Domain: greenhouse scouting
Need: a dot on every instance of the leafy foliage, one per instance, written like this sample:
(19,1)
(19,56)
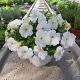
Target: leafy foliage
(71,12)
(8,14)
(77,18)
(9,2)
(54,2)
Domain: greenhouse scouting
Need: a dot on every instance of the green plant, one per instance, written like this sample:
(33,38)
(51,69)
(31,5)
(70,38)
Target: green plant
(77,18)
(67,10)
(51,2)
(29,1)
(9,2)
(77,22)
(71,12)
(8,14)
(54,2)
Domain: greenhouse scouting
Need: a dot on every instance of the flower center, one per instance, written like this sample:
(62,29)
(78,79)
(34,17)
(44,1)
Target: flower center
(42,28)
(24,52)
(41,38)
(52,36)
(25,29)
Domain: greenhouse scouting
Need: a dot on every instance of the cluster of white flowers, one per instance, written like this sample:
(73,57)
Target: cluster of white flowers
(12,44)
(24,52)
(46,34)
(14,24)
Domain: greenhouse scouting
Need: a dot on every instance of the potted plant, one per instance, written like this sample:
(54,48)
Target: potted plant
(39,37)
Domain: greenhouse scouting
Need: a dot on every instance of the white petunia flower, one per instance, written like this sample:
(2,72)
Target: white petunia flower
(60,19)
(59,53)
(26,30)
(55,37)
(68,39)
(12,44)
(24,52)
(42,55)
(42,39)
(35,15)
(53,22)
(43,26)
(14,24)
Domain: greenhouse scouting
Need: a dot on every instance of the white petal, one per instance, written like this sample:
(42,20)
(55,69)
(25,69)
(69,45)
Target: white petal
(55,41)
(42,55)
(59,53)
